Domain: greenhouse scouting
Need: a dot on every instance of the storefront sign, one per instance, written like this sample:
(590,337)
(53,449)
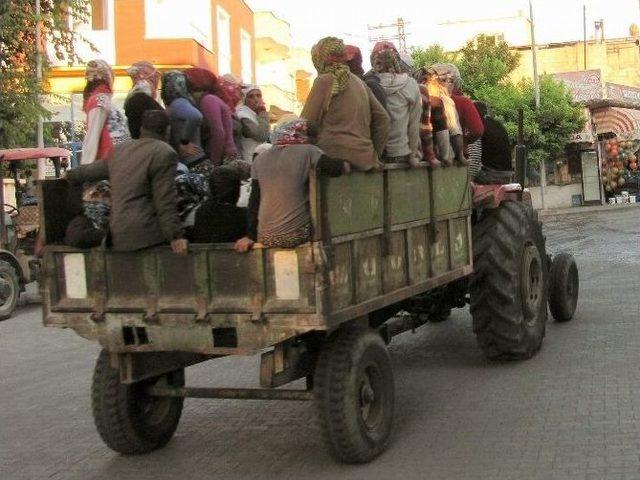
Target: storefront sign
(584,86)
(581,137)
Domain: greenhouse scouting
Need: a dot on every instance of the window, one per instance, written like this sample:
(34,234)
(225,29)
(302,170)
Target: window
(224,41)
(195,21)
(99,10)
(245,57)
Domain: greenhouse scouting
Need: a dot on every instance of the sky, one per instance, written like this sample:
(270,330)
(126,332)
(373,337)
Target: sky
(555,20)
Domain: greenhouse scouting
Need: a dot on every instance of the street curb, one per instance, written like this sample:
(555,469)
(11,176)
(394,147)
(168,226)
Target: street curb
(561,212)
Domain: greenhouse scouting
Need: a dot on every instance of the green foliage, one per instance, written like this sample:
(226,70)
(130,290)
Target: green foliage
(424,57)
(485,66)
(19,87)
(484,61)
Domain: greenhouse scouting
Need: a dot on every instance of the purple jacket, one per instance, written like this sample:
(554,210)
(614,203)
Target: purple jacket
(219,123)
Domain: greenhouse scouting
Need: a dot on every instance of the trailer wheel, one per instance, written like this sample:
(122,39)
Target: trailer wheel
(9,290)
(354,394)
(509,284)
(128,419)
(564,287)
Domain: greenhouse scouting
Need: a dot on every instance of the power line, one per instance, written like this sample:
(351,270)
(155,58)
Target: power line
(401,36)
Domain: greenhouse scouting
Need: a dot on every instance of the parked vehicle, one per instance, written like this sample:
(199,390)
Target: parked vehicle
(401,240)
(19,225)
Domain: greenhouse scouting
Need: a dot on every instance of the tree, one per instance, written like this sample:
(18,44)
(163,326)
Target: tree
(486,61)
(424,57)
(20,105)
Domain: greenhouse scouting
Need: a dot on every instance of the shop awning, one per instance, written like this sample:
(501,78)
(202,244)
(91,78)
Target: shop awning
(618,120)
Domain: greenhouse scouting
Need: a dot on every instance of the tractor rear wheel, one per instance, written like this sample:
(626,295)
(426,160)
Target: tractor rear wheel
(509,284)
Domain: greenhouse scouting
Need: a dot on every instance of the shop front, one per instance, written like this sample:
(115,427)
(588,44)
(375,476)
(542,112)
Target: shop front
(617,128)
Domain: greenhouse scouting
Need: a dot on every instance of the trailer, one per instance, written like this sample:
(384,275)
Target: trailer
(385,242)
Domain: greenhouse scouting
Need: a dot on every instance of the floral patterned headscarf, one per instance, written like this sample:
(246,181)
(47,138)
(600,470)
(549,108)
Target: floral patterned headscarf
(385,58)
(290,131)
(329,56)
(99,70)
(174,85)
(145,77)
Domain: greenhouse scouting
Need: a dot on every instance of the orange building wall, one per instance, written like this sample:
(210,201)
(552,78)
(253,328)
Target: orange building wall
(132,46)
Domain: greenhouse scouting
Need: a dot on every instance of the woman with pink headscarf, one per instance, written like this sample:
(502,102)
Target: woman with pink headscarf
(142,96)
(211,100)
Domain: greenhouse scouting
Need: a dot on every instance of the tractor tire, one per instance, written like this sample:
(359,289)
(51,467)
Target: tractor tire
(129,420)
(564,287)
(509,283)
(354,394)
(10,291)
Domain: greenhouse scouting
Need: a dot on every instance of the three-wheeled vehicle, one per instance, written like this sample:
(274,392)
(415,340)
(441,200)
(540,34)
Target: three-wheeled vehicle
(20,223)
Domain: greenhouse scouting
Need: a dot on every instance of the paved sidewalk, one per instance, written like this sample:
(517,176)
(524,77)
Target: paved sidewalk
(549,213)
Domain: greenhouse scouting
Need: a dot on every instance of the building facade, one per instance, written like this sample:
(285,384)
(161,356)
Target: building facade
(618,59)
(214,34)
(283,71)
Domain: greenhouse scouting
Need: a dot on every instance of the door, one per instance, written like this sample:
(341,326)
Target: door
(591,192)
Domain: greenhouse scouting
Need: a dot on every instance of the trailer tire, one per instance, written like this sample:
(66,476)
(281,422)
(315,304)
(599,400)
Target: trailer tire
(8,274)
(564,287)
(354,394)
(509,283)
(129,420)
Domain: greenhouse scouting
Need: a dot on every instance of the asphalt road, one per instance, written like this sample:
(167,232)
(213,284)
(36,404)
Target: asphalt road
(572,412)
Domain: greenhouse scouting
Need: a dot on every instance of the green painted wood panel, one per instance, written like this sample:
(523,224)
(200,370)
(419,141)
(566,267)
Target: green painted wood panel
(409,195)
(439,249)
(450,190)
(354,203)
(459,242)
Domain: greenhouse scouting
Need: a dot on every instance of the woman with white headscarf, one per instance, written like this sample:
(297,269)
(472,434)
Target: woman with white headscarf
(254,118)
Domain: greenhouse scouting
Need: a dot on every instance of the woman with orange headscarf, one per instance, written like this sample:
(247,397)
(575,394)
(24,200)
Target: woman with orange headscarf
(344,115)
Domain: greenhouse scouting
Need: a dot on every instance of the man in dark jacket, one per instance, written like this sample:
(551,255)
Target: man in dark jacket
(143,191)
(496,150)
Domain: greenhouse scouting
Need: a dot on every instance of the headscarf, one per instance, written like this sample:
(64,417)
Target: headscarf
(96,204)
(246,90)
(203,80)
(99,70)
(353,57)
(244,111)
(145,78)
(383,45)
(290,130)
(386,61)
(447,71)
(174,85)
(328,56)
(192,190)
(233,88)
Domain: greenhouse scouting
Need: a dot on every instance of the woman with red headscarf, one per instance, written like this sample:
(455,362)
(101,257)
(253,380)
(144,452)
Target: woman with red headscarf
(212,101)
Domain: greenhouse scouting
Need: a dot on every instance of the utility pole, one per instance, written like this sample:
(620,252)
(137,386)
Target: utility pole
(584,34)
(40,131)
(401,36)
(536,92)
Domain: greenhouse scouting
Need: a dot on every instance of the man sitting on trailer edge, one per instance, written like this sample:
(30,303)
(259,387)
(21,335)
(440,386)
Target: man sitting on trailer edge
(143,191)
